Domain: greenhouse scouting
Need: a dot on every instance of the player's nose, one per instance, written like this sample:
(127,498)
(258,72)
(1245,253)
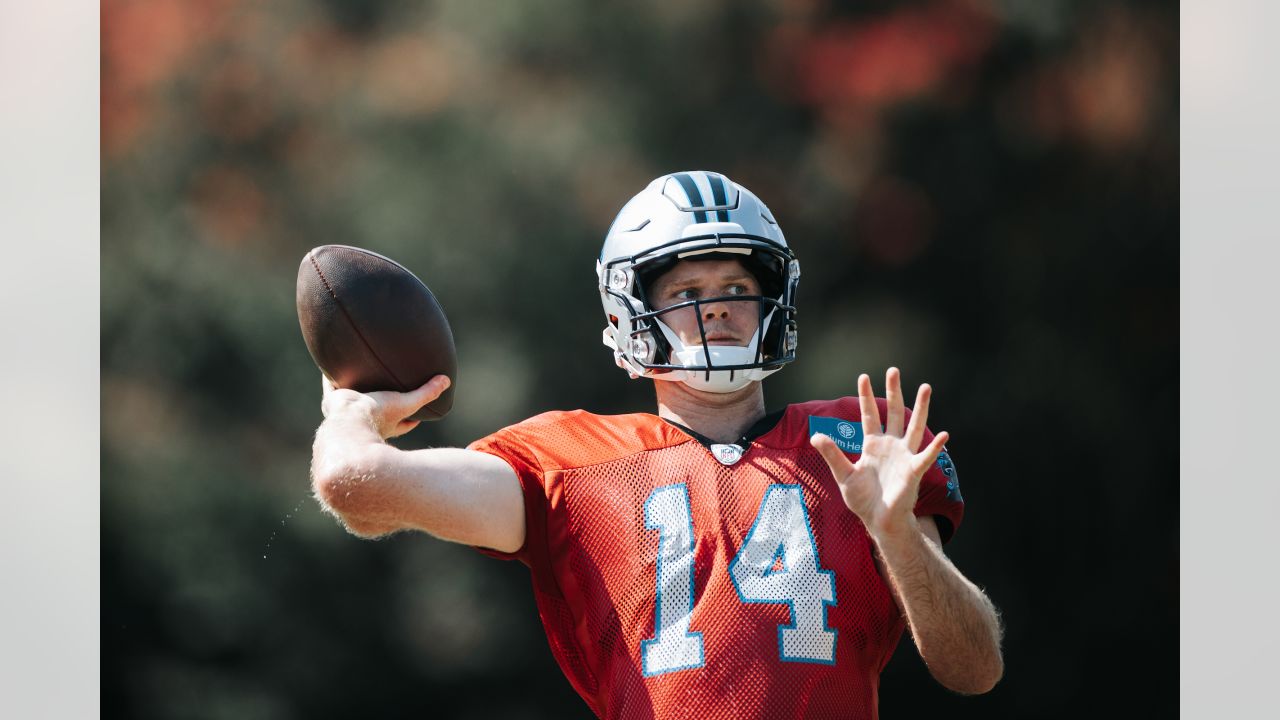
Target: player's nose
(715,310)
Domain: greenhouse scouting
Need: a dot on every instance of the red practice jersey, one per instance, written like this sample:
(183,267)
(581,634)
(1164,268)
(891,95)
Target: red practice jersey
(674,582)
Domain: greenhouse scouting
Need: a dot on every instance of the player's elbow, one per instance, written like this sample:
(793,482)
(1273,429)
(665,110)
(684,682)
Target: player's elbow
(975,678)
(985,680)
(347,488)
(331,483)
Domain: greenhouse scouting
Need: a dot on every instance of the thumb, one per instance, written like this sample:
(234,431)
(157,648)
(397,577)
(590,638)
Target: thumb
(395,407)
(835,457)
(410,402)
(429,391)
(925,459)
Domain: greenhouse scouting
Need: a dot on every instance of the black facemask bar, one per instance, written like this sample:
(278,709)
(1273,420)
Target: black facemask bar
(785,324)
(765,305)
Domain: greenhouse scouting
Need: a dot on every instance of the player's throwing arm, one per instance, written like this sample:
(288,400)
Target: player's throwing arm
(375,489)
(376,330)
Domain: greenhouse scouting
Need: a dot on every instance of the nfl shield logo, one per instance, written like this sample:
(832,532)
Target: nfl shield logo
(727,454)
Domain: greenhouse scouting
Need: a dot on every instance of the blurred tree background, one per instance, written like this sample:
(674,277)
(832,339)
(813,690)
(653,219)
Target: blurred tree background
(983,192)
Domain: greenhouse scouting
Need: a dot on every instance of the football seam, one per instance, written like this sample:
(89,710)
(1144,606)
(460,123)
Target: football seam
(352,322)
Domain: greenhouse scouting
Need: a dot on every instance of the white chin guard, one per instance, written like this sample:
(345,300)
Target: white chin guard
(717,381)
(694,358)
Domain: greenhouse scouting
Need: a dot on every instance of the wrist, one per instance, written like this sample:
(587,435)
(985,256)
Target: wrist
(891,532)
(354,412)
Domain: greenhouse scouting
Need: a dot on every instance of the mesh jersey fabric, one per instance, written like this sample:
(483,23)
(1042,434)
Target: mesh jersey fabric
(594,554)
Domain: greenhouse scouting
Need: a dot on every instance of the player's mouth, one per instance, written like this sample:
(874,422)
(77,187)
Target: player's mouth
(723,340)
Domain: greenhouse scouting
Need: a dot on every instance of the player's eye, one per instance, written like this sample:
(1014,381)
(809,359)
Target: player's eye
(686,294)
(737,290)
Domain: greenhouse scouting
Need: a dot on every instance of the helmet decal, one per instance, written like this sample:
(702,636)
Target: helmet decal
(717,195)
(689,190)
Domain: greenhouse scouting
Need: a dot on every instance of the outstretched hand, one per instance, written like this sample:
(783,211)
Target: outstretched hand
(387,410)
(882,487)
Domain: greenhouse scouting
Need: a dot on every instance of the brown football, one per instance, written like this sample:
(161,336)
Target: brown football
(370,324)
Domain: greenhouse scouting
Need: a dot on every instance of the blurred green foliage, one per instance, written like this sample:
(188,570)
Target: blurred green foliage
(984,193)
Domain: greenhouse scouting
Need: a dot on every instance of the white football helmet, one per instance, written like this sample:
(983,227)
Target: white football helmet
(684,215)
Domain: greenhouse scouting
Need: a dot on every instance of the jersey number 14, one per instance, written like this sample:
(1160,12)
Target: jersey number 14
(777,564)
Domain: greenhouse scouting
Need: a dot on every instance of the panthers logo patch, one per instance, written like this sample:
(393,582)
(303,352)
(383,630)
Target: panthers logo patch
(953,480)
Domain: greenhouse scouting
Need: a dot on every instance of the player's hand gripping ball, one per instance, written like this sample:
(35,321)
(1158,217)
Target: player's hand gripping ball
(370,324)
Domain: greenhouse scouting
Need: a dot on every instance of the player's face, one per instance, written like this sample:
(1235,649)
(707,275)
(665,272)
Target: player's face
(727,322)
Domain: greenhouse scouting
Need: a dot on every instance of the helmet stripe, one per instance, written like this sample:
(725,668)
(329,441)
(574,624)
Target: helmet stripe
(717,193)
(695,197)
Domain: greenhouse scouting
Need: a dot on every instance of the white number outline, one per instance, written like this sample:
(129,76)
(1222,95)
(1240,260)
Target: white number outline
(794,495)
(680,554)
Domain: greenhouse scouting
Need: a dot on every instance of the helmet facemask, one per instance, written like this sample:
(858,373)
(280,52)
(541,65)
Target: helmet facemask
(684,216)
(647,346)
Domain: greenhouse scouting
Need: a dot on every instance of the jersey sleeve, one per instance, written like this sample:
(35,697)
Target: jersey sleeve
(940,492)
(508,445)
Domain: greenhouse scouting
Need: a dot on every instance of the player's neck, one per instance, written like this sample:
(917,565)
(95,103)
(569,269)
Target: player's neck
(723,417)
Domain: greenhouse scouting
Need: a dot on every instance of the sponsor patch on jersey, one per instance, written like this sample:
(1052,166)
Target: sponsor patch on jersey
(953,480)
(847,434)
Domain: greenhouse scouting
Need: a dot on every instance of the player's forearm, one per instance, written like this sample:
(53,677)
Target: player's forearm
(955,626)
(375,489)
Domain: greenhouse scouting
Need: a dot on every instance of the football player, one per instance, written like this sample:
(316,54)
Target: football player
(711,560)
